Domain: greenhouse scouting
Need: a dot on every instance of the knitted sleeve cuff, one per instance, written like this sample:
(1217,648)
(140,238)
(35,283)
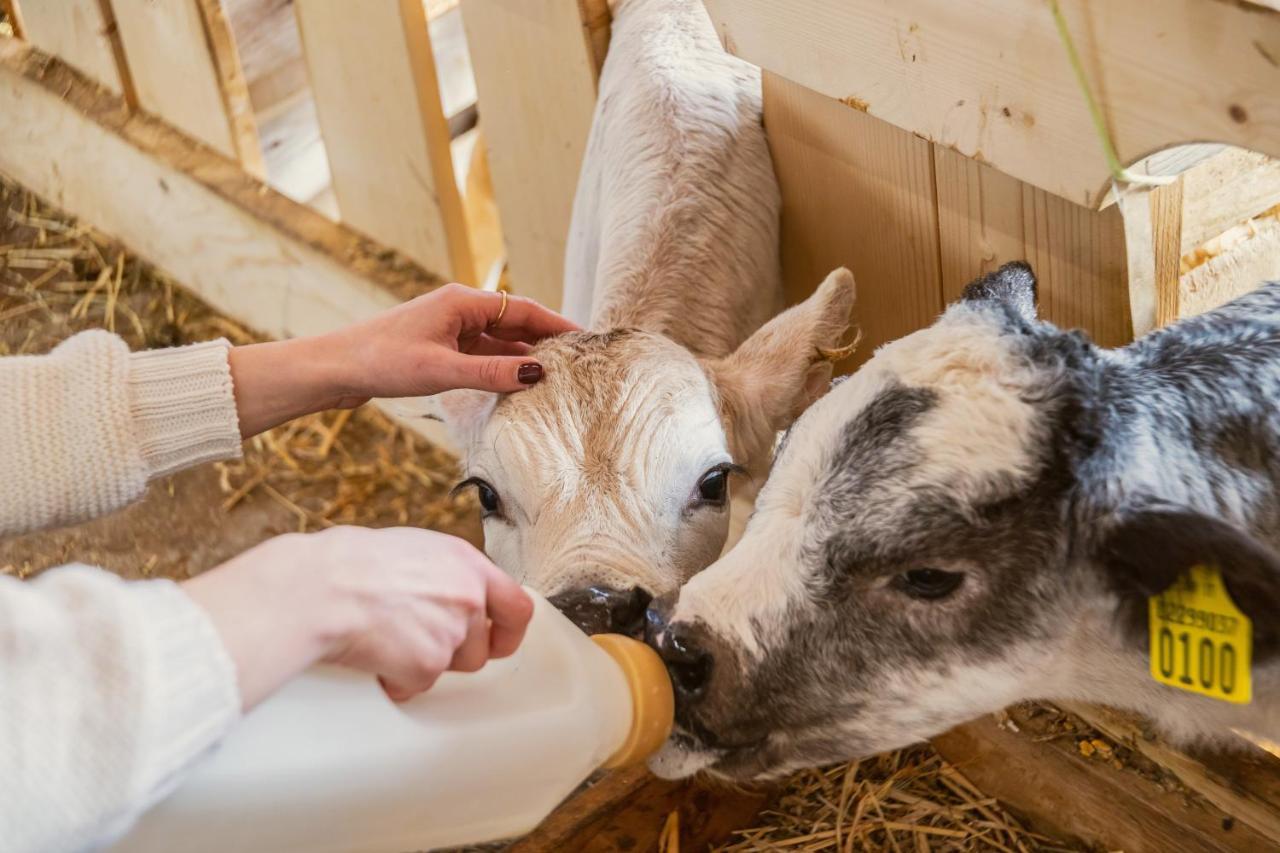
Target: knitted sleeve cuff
(182,406)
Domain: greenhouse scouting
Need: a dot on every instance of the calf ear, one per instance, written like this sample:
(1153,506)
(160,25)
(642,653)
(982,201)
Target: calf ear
(786,365)
(463,412)
(1149,549)
(1013,285)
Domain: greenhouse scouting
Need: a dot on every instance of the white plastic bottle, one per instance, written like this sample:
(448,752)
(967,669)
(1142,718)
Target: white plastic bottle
(330,764)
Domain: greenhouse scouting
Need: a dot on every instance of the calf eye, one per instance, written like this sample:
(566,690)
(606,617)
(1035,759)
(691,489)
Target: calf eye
(713,488)
(489,503)
(930,584)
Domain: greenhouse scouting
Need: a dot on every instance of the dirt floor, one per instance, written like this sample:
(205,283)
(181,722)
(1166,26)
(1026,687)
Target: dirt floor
(57,278)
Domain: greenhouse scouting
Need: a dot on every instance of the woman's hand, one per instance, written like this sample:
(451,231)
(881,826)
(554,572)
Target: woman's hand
(450,338)
(402,603)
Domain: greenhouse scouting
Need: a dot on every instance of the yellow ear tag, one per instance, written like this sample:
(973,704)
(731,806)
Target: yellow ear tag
(1200,641)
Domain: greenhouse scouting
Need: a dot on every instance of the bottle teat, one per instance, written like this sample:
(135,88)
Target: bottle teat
(652,700)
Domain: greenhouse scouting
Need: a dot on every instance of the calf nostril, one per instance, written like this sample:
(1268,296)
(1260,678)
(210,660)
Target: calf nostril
(690,667)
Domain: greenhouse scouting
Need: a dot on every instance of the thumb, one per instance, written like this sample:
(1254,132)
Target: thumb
(493,372)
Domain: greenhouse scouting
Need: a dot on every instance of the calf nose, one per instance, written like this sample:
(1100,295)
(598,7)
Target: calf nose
(602,610)
(687,659)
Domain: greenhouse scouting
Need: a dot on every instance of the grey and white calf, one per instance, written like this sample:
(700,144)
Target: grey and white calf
(977,517)
(607,483)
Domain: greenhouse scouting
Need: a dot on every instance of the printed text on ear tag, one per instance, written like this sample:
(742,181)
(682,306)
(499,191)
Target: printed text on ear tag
(1200,642)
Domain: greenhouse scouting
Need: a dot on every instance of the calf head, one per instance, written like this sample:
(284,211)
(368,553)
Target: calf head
(607,483)
(918,556)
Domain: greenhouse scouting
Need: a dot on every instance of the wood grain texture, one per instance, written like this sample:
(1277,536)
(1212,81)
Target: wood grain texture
(856,192)
(990,78)
(1234,272)
(625,812)
(78,32)
(1244,782)
(536,82)
(1058,791)
(374,82)
(1225,190)
(179,75)
(1166,246)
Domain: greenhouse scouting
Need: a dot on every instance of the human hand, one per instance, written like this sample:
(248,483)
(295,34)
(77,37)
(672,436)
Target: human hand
(453,337)
(402,603)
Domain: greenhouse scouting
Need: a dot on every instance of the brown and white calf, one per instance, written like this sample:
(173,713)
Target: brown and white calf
(607,483)
(977,517)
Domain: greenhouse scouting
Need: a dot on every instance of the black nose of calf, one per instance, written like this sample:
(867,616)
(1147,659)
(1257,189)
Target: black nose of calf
(677,644)
(602,610)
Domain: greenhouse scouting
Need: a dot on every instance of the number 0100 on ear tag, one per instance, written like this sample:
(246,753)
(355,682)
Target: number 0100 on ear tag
(1200,641)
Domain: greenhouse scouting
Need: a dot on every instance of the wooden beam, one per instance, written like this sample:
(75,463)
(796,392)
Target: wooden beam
(1057,790)
(1166,244)
(81,33)
(13,14)
(183,62)
(986,218)
(374,81)
(991,79)
(1236,271)
(627,809)
(856,192)
(1243,781)
(1225,190)
(536,79)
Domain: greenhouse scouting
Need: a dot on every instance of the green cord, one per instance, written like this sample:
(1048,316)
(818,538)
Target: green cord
(1118,171)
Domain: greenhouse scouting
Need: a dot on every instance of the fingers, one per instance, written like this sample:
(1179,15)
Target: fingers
(474,651)
(487,345)
(523,320)
(509,610)
(490,373)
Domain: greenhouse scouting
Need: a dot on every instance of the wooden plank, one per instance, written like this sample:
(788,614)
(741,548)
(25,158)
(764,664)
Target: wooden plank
(627,809)
(1062,793)
(1244,782)
(987,218)
(597,21)
(1236,271)
(1166,245)
(536,79)
(253,254)
(374,81)
(13,15)
(856,192)
(79,32)
(1225,190)
(990,78)
(185,69)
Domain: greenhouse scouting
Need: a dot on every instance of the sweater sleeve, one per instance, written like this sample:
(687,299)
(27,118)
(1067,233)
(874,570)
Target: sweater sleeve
(110,690)
(87,425)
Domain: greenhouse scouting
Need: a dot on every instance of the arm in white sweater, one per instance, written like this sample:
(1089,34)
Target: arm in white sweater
(107,689)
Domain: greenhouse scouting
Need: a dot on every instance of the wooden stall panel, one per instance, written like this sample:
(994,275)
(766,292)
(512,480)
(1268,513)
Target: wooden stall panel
(856,192)
(991,78)
(374,82)
(986,218)
(185,69)
(80,33)
(535,68)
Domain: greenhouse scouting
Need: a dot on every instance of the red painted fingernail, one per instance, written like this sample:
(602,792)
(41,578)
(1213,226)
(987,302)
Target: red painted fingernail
(529,374)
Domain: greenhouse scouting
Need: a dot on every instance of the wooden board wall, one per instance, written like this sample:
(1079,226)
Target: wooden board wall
(535,65)
(185,69)
(374,82)
(80,32)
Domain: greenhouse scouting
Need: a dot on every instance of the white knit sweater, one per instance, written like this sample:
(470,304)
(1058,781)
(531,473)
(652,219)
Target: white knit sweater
(109,690)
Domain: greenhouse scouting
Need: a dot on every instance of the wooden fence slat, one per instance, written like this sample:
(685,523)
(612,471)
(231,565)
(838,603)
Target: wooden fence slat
(986,218)
(374,82)
(80,32)
(991,78)
(857,192)
(184,67)
(536,81)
